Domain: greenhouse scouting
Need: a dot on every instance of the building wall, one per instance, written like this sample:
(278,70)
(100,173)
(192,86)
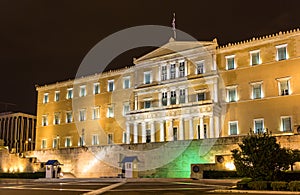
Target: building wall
(272,106)
(194,119)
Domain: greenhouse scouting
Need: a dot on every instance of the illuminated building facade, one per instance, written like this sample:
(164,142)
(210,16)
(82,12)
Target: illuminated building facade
(18,131)
(181,91)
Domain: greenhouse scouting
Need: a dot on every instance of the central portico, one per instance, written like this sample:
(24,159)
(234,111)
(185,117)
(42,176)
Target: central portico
(176,95)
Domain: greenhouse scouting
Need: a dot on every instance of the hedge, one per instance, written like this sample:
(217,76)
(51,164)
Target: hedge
(34,175)
(259,185)
(294,186)
(219,174)
(279,185)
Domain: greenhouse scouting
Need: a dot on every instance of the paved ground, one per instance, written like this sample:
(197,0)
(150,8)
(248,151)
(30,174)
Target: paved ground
(113,186)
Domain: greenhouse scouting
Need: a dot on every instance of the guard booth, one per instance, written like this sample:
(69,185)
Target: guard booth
(53,169)
(130,166)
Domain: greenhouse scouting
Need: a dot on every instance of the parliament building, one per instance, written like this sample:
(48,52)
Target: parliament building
(184,90)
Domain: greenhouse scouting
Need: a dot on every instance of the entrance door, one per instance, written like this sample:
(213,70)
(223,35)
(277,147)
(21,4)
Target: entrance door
(148,136)
(175,133)
(205,131)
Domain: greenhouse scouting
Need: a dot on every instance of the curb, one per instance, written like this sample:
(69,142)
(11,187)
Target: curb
(253,192)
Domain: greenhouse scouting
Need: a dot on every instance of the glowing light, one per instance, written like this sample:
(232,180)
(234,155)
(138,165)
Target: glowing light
(5,169)
(230,166)
(21,168)
(11,169)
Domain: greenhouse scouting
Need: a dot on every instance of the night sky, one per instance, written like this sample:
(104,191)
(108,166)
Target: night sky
(42,42)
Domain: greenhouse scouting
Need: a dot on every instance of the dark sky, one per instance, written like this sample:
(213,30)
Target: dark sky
(45,41)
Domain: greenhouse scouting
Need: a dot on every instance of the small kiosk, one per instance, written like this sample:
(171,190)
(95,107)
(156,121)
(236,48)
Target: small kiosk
(130,166)
(53,169)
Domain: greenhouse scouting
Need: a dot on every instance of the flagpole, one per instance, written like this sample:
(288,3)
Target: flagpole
(173,25)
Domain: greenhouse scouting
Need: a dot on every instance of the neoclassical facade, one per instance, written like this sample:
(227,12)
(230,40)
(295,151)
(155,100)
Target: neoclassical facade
(18,131)
(180,91)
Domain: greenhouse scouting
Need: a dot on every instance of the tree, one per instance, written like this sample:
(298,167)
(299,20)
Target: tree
(294,156)
(260,157)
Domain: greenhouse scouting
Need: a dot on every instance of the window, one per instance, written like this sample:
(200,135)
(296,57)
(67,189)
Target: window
(254,57)
(230,62)
(44,120)
(44,144)
(81,141)
(56,96)
(69,117)
(256,91)
(126,83)
(68,142)
(284,86)
(258,125)
(172,71)
(182,96)
(46,98)
(96,113)
(110,111)
(110,138)
(96,89)
(147,77)
(147,104)
(164,100)
(55,142)
(181,69)
(231,94)
(126,108)
(82,91)
(233,128)
(111,86)
(164,73)
(281,52)
(95,140)
(56,118)
(173,97)
(82,115)
(70,93)
(200,67)
(201,96)
(286,124)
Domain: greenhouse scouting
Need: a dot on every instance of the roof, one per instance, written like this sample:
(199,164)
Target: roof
(53,162)
(175,47)
(130,159)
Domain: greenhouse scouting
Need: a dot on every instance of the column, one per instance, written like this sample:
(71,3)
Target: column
(168,98)
(135,102)
(143,132)
(191,131)
(181,129)
(201,128)
(152,129)
(127,141)
(176,70)
(170,132)
(211,127)
(135,133)
(168,71)
(217,126)
(161,131)
(186,95)
(215,92)
(160,99)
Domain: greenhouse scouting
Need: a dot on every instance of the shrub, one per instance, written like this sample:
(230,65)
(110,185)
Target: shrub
(209,174)
(294,185)
(243,184)
(258,185)
(279,185)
